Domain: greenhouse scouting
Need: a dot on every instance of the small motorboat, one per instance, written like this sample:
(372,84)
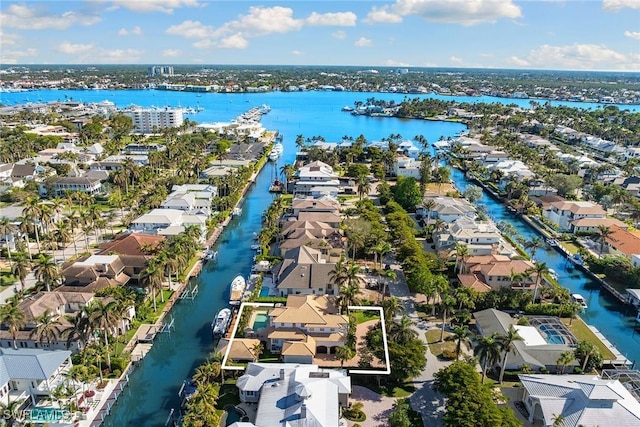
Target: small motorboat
(579,299)
(221,322)
(552,242)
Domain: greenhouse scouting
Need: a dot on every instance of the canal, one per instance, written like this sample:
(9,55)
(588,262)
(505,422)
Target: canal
(153,388)
(614,320)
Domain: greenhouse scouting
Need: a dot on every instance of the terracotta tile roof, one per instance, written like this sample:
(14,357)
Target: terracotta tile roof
(131,244)
(309,310)
(624,241)
(300,348)
(503,269)
(580,208)
(242,349)
(474,282)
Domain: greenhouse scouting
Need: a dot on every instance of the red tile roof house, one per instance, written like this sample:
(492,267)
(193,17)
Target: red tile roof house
(486,272)
(565,212)
(622,242)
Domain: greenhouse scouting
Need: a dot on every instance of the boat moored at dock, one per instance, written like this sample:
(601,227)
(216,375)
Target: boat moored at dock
(238,285)
(221,322)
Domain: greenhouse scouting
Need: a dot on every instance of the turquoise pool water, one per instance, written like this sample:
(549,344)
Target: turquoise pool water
(264,291)
(552,336)
(260,321)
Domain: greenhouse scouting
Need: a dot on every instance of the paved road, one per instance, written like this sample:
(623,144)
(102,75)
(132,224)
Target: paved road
(424,400)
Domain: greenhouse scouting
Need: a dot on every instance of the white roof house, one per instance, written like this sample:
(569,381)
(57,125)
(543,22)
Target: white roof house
(580,400)
(292,395)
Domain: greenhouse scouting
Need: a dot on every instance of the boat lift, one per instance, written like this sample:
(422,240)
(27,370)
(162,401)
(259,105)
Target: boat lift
(190,292)
(167,327)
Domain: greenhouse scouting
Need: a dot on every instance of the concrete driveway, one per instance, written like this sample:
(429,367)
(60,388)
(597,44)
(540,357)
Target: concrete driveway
(376,407)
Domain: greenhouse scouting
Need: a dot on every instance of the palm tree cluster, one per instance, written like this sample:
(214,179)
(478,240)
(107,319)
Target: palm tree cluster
(201,406)
(491,348)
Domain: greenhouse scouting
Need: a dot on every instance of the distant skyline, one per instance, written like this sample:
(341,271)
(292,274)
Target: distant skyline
(542,34)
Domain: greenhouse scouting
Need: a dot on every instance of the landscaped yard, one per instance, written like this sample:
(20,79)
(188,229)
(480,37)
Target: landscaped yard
(582,332)
(362,316)
(437,347)
(571,247)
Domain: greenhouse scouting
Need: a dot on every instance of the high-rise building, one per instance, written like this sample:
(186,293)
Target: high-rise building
(148,120)
(160,70)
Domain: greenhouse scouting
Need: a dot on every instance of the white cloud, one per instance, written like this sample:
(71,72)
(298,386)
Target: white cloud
(394,63)
(632,34)
(8,39)
(382,15)
(463,12)
(616,5)
(340,35)
(74,49)
(38,18)
(170,53)
(264,20)
(578,57)
(135,31)
(456,60)
(118,56)
(297,53)
(164,6)
(363,42)
(235,41)
(339,19)
(15,56)
(191,30)
(486,55)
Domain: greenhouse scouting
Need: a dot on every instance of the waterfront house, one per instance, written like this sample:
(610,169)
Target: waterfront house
(543,341)
(562,213)
(135,252)
(629,183)
(578,400)
(633,297)
(449,209)
(303,271)
(498,271)
(592,225)
(167,222)
(314,176)
(300,394)
(407,167)
(306,326)
(314,205)
(94,273)
(622,242)
(31,374)
(481,238)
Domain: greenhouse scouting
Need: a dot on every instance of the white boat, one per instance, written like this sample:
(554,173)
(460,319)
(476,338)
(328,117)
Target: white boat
(553,274)
(347,108)
(238,285)
(576,259)
(276,151)
(256,247)
(210,254)
(579,299)
(552,242)
(221,323)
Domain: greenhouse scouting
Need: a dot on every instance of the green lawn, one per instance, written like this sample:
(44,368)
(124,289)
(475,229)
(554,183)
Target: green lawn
(571,247)
(437,347)
(582,332)
(362,316)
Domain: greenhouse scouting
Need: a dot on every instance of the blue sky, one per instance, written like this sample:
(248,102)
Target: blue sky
(539,34)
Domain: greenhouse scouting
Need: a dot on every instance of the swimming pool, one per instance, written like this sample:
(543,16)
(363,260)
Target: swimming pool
(260,321)
(551,335)
(264,291)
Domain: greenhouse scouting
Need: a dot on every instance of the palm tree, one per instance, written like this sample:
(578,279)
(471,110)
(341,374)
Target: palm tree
(32,212)
(11,410)
(533,245)
(47,328)
(391,307)
(539,269)
(152,277)
(46,271)
(21,268)
(565,358)
(507,345)
(461,335)
(379,250)
(78,330)
(207,372)
(446,305)
(62,235)
(363,186)
(344,353)
(603,233)
(429,205)
(488,349)
(103,317)
(13,318)
(348,295)
(462,251)
(7,228)
(402,331)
